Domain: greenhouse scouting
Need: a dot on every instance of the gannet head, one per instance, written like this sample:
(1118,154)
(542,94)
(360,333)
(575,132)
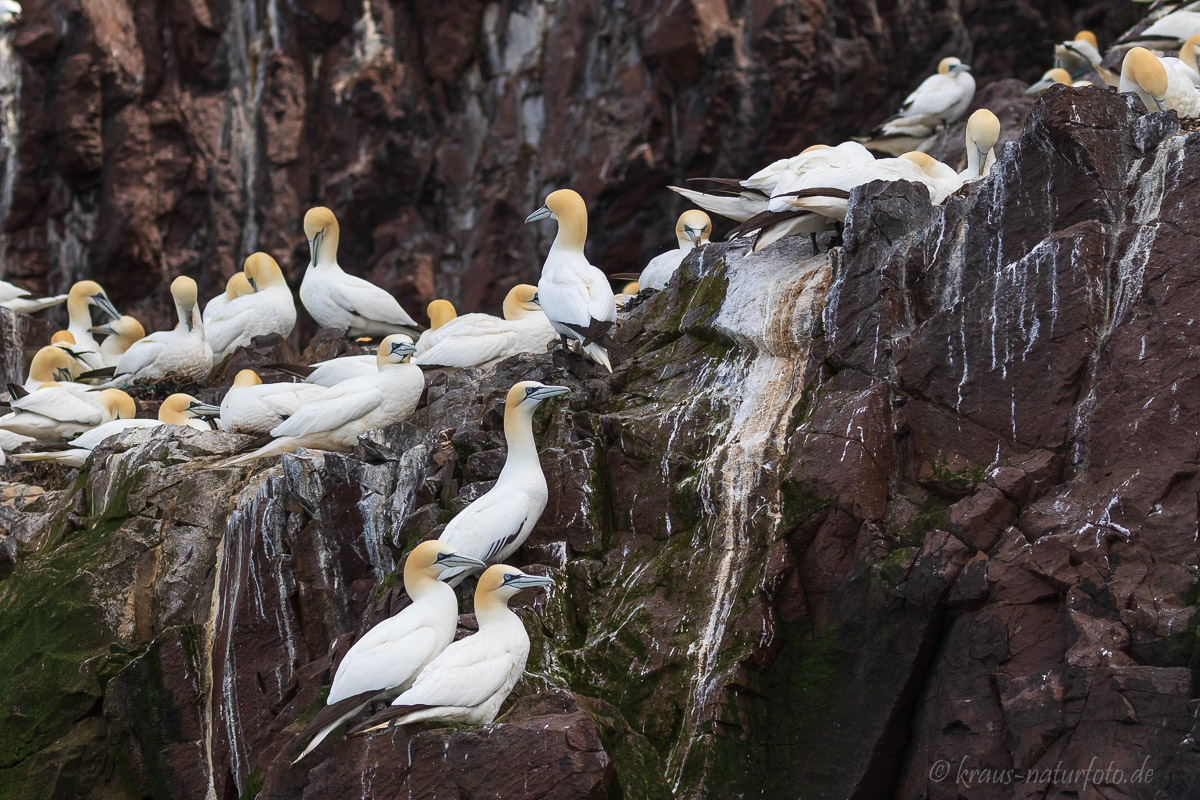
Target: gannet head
(321,230)
(53,363)
(814,148)
(118,404)
(238,285)
(127,329)
(1051,77)
(262,271)
(983,131)
(1089,37)
(184,292)
(89,293)
(440,312)
(1189,51)
(526,396)
(566,206)
(395,349)
(502,581)
(929,165)
(63,337)
(631,288)
(246,377)
(178,409)
(430,559)
(520,301)
(693,226)
(1150,76)
(952,66)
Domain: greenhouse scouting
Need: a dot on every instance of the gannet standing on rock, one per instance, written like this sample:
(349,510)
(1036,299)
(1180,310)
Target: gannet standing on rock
(181,354)
(84,295)
(57,412)
(692,230)
(472,677)
(339,415)
(268,309)
(338,300)
(251,406)
(178,409)
(576,297)
(17,299)
(237,286)
(120,334)
(388,658)
(493,526)
(983,131)
(940,100)
(475,340)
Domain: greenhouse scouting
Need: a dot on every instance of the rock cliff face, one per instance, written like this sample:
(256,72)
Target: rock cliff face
(842,524)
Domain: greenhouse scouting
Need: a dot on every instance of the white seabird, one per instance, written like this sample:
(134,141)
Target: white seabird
(178,409)
(472,677)
(1185,66)
(17,299)
(268,309)
(576,297)
(339,415)
(475,340)
(1049,78)
(251,406)
(54,363)
(983,131)
(338,300)
(181,354)
(120,334)
(1159,88)
(84,295)
(237,286)
(692,230)
(940,100)
(1166,33)
(57,412)
(1078,56)
(494,525)
(388,658)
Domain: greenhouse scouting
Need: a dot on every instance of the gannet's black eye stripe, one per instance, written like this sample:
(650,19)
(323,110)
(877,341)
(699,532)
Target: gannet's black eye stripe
(529,390)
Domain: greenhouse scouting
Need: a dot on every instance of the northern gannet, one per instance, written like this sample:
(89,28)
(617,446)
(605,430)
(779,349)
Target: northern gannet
(15,298)
(917,167)
(1078,56)
(338,300)
(940,100)
(692,230)
(627,293)
(1185,65)
(1166,33)
(84,295)
(1049,78)
(472,677)
(237,286)
(339,415)
(474,340)
(440,312)
(494,525)
(388,658)
(182,353)
(576,296)
(251,406)
(57,412)
(178,409)
(332,371)
(1159,88)
(983,131)
(120,334)
(52,364)
(269,309)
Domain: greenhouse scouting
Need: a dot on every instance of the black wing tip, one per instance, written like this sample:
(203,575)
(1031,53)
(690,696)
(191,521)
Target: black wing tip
(103,372)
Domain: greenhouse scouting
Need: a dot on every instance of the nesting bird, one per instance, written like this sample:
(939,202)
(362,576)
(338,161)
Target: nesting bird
(52,364)
(267,309)
(251,406)
(692,230)
(476,340)
(237,286)
(181,354)
(940,100)
(472,677)
(576,297)
(493,526)
(56,412)
(388,658)
(338,300)
(1078,57)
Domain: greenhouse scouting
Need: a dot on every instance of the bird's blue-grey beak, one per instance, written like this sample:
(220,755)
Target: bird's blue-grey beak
(537,301)
(960,68)
(106,329)
(253,283)
(449,560)
(404,348)
(204,410)
(314,244)
(541,213)
(1039,87)
(106,305)
(522,581)
(694,234)
(546,392)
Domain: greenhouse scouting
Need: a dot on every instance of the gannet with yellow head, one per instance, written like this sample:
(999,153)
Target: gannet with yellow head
(1077,57)
(84,295)
(692,230)
(181,354)
(476,340)
(120,334)
(339,415)
(940,100)
(1185,68)
(338,300)
(983,131)
(388,658)
(576,297)
(268,309)
(251,406)
(15,298)
(1051,77)
(494,525)
(54,363)
(472,677)
(237,286)
(440,312)
(58,412)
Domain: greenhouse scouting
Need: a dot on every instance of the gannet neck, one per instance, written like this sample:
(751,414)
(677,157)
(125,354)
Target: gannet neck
(262,271)
(62,337)
(321,228)
(518,436)
(183,292)
(78,300)
(440,312)
(237,286)
(519,303)
(571,212)
(492,611)
(118,404)
(1188,52)
(420,582)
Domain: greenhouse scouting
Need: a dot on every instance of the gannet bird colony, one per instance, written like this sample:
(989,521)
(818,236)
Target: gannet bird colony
(575,400)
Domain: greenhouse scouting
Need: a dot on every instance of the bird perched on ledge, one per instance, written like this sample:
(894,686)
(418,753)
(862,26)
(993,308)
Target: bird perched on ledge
(940,100)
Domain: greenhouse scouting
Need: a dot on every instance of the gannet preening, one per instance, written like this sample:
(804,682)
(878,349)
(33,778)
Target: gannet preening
(268,309)
(940,100)
(52,364)
(983,131)
(339,415)
(84,295)
(475,340)
(57,412)
(178,409)
(576,296)
(181,354)
(17,299)
(1166,33)
(472,677)
(120,334)
(338,300)
(388,658)
(251,406)
(1078,57)
(691,231)
(1159,88)
(494,525)
(10,13)
(237,286)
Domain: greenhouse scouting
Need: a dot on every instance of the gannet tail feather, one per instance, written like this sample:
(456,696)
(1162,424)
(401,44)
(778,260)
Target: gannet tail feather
(328,719)
(295,370)
(385,718)
(103,372)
